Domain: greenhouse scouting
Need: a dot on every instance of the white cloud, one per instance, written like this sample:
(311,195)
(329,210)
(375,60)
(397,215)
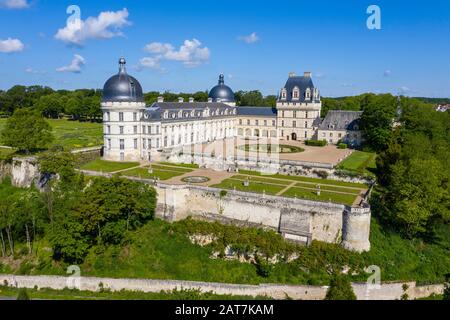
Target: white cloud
(75,66)
(14,4)
(191,54)
(251,38)
(107,25)
(32,71)
(387,73)
(11,45)
(404,90)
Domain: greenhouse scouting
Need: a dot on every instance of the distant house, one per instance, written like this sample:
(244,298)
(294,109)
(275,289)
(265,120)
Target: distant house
(443,107)
(341,126)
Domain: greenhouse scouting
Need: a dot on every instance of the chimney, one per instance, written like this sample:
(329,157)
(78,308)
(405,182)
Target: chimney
(160,99)
(291,74)
(210,100)
(180,99)
(307,74)
(191,99)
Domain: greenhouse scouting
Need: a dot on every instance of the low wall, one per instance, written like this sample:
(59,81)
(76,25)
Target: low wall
(386,291)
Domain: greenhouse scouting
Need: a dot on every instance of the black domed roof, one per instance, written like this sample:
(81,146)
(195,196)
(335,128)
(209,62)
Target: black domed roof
(221,92)
(122,87)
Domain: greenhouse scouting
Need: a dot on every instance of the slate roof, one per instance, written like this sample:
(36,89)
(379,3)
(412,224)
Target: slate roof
(257,111)
(302,82)
(156,110)
(340,120)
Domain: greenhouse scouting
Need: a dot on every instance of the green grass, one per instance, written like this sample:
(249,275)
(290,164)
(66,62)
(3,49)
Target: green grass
(305,179)
(359,162)
(108,166)
(267,148)
(176,169)
(143,173)
(72,134)
(183,165)
(302,193)
(5,152)
(74,294)
(257,187)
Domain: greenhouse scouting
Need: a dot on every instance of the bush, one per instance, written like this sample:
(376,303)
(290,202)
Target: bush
(320,173)
(316,143)
(342,145)
(23,294)
(340,289)
(263,267)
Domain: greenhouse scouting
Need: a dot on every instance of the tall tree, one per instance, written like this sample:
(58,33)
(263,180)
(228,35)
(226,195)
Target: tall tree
(26,131)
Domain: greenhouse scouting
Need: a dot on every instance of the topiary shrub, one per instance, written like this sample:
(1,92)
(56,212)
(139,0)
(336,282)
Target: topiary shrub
(316,143)
(342,145)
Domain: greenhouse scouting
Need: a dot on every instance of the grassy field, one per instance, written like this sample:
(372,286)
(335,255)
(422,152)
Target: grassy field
(297,187)
(108,166)
(183,165)
(359,162)
(72,134)
(163,174)
(5,152)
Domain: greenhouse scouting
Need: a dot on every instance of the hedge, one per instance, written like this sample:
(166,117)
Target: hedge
(316,143)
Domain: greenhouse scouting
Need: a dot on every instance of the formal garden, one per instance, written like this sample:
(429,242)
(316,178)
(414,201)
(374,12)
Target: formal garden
(270,148)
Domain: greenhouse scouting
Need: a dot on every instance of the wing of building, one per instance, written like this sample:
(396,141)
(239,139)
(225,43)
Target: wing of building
(134,131)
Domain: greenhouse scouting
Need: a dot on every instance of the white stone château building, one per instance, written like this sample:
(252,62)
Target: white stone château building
(134,131)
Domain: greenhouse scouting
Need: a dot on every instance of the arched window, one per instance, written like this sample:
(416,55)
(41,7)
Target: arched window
(283,94)
(295,93)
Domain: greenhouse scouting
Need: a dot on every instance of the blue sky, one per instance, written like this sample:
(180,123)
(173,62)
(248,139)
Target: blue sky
(184,45)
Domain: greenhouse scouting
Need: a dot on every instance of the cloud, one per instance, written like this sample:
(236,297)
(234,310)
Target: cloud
(387,73)
(11,45)
(191,54)
(404,90)
(251,38)
(75,66)
(14,4)
(107,25)
(32,71)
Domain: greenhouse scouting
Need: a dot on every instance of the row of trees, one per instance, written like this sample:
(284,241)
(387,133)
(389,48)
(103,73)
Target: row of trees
(84,104)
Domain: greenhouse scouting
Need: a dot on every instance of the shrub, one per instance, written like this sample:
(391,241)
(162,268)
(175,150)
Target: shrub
(342,145)
(263,268)
(320,173)
(340,289)
(316,143)
(23,294)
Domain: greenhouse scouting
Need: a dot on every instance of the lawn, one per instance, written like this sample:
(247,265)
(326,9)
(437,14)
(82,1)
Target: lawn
(159,174)
(183,165)
(5,152)
(73,134)
(305,179)
(359,162)
(108,166)
(254,186)
(303,193)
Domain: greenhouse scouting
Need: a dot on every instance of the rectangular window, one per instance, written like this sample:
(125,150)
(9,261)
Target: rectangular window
(306,124)
(248,121)
(109,144)
(256,122)
(121,129)
(282,123)
(150,143)
(108,129)
(120,116)
(134,116)
(135,142)
(135,129)
(265,122)
(143,129)
(122,144)
(144,144)
(306,134)
(295,114)
(273,123)
(149,130)
(240,121)
(294,124)
(122,156)
(157,142)
(306,114)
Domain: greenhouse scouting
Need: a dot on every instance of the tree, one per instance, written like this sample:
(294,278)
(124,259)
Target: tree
(340,289)
(377,120)
(27,131)
(23,294)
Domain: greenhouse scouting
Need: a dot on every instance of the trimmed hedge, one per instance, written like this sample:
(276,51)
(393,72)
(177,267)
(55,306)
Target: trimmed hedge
(316,143)
(342,145)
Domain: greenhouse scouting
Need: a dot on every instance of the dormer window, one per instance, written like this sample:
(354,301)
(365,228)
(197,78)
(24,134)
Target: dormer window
(295,93)
(283,94)
(166,114)
(180,114)
(308,94)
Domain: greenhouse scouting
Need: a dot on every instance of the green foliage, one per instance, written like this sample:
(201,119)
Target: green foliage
(23,294)
(340,289)
(263,267)
(101,214)
(414,173)
(27,131)
(342,145)
(377,119)
(254,98)
(58,162)
(316,143)
(108,166)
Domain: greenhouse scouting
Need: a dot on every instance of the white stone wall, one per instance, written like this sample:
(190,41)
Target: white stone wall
(386,291)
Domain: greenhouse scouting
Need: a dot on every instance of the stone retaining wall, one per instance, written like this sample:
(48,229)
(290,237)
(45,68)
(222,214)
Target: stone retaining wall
(386,291)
